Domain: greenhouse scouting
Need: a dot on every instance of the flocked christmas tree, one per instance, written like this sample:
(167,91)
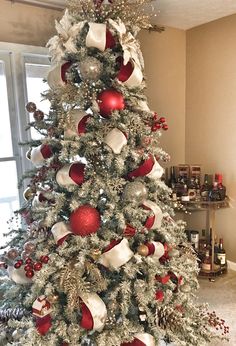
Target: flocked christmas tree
(100,260)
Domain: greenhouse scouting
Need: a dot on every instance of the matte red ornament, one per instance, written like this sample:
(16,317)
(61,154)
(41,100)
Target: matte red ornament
(110,41)
(38,266)
(29,274)
(135,342)
(125,70)
(109,101)
(76,173)
(46,151)
(44,259)
(43,324)
(159,295)
(85,220)
(143,169)
(87,319)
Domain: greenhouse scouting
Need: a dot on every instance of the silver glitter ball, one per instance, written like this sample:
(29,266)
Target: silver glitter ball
(90,69)
(135,192)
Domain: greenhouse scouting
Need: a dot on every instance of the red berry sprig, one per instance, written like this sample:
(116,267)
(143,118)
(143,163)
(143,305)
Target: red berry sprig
(30,267)
(159,123)
(217,323)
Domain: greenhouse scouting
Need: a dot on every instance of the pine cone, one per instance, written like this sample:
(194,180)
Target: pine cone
(168,318)
(13,314)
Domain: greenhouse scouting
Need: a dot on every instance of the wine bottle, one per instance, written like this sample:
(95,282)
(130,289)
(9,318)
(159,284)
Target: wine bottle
(221,187)
(214,194)
(221,254)
(205,189)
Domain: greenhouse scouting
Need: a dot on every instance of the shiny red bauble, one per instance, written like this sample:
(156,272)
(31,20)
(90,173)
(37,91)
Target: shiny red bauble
(76,173)
(28,260)
(125,70)
(29,274)
(38,266)
(28,267)
(18,264)
(165,127)
(110,100)
(85,220)
(44,259)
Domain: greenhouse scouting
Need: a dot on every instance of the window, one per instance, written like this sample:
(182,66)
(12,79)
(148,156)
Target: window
(22,70)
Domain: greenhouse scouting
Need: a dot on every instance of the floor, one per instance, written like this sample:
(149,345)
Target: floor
(221,296)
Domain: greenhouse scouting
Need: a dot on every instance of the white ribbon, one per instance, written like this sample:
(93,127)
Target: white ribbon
(36,156)
(97,309)
(157,213)
(76,116)
(156,171)
(63,178)
(130,46)
(116,140)
(146,338)
(60,230)
(96,36)
(54,77)
(117,256)
(136,77)
(159,249)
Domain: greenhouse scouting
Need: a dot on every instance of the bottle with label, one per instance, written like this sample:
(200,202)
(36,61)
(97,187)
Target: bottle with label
(205,189)
(221,187)
(206,263)
(192,190)
(221,254)
(194,239)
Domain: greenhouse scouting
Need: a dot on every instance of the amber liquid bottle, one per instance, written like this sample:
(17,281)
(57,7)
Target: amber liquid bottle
(206,263)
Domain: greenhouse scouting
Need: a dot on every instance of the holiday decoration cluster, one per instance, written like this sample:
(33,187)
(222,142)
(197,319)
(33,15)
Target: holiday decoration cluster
(99,259)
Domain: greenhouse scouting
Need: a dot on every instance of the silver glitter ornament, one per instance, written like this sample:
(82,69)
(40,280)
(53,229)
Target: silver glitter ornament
(90,69)
(135,192)
(17,334)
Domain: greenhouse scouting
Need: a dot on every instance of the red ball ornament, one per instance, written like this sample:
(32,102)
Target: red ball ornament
(165,127)
(38,115)
(125,70)
(29,274)
(156,127)
(38,266)
(28,260)
(162,120)
(18,264)
(110,100)
(28,267)
(44,259)
(85,220)
(110,41)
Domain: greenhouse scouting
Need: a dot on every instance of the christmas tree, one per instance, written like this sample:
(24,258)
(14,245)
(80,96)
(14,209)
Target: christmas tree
(98,258)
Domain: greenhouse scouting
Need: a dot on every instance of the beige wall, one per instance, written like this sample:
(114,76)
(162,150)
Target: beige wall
(20,23)
(164,56)
(211,113)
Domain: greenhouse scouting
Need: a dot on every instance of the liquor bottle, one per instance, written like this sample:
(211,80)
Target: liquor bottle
(214,194)
(185,196)
(172,180)
(192,190)
(205,189)
(221,187)
(206,263)
(216,249)
(198,190)
(221,254)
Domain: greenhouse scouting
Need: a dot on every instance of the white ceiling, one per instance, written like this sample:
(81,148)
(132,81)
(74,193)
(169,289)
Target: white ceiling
(185,14)
(182,14)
